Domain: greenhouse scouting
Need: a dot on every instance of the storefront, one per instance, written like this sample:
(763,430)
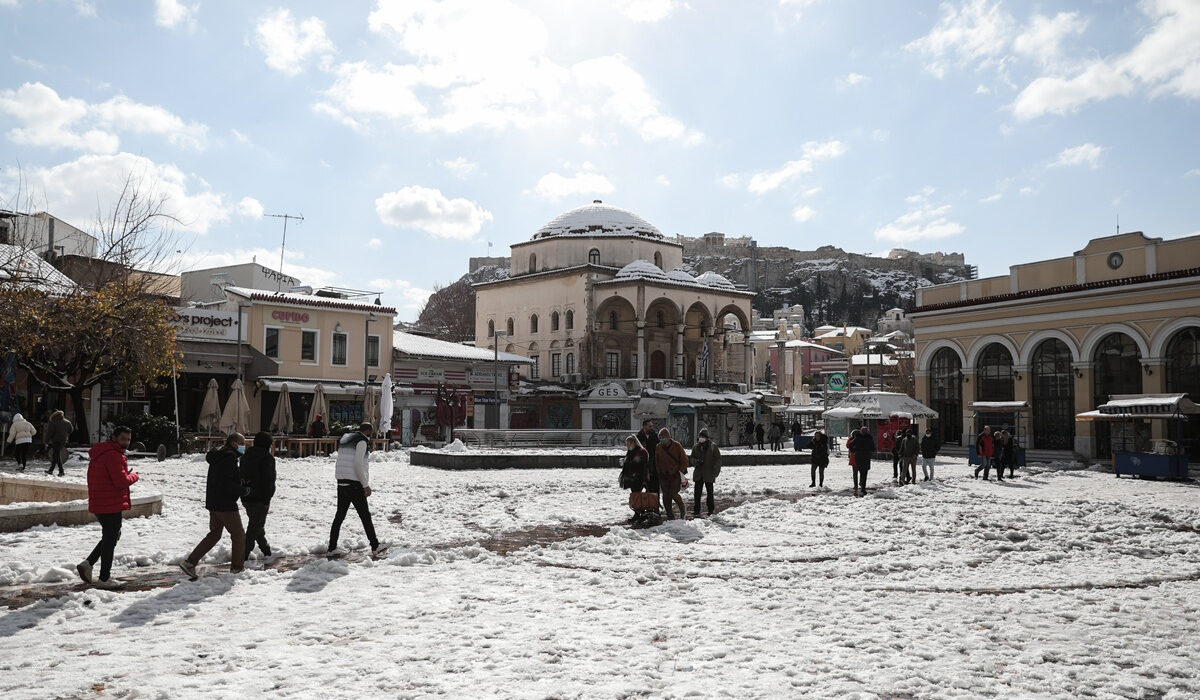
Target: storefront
(607,407)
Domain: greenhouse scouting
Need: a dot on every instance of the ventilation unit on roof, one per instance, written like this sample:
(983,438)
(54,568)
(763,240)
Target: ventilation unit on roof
(301,289)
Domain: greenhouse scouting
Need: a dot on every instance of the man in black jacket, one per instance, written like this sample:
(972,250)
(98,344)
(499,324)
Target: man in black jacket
(649,440)
(221,494)
(863,447)
(929,450)
(258,476)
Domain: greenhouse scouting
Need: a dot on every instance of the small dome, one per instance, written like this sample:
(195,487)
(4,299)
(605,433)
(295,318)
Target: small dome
(598,219)
(712,279)
(681,275)
(641,270)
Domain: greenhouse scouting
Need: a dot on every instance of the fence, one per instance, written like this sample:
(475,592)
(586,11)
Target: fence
(543,438)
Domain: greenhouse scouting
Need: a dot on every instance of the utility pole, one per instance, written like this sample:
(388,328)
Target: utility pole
(283,243)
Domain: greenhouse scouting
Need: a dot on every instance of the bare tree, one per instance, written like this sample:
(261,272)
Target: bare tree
(449,313)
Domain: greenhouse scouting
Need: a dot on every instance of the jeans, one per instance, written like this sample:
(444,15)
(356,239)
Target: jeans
(670,485)
(218,522)
(862,464)
(21,453)
(110,532)
(56,458)
(256,520)
(988,463)
(350,493)
(704,485)
(821,468)
(927,467)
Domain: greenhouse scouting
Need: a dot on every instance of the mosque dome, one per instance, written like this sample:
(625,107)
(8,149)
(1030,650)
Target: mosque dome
(641,270)
(712,279)
(681,275)
(598,219)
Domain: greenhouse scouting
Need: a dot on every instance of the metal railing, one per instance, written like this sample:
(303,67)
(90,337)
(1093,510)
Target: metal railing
(543,438)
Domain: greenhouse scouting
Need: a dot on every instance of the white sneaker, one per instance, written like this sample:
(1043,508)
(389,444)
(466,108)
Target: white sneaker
(111,584)
(335,552)
(188,568)
(85,570)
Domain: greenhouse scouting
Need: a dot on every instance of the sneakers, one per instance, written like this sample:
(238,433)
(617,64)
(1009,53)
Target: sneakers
(379,547)
(188,568)
(85,570)
(110,584)
(335,552)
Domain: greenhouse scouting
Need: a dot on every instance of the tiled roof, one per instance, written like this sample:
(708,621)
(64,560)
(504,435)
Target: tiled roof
(309,300)
(422,346)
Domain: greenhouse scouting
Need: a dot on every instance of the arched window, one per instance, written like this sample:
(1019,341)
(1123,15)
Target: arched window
(570,319)
(553,321)
(533,262)
(612,320)
(570,363)
(1117,370)
(658,259)
(533,323)
(994,374)
(945,395)
(1183,377)
(509,327)
(660,319)
(491,329)
(1053,396)
(594,256)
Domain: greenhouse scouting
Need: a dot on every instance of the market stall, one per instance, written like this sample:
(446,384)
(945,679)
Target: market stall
(1134,451)
(1000,415)
(881,412)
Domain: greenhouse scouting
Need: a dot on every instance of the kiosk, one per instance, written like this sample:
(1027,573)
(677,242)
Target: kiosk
(1133,452)
(998,414)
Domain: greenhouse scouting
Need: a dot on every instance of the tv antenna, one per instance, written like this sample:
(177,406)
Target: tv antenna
(283,243)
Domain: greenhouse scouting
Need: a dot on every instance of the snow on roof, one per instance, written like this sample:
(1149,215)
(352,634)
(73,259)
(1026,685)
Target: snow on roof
(761,336)
(874,359)
(815,346)
(308,300)
(681,275)
(27,268)
(879,404)
(641,269)
(712,279)
(704,396)
(598,219)
(840,332)
(432,348)
(824,329)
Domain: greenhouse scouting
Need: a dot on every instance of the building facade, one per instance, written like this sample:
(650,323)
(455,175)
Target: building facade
(1120,316)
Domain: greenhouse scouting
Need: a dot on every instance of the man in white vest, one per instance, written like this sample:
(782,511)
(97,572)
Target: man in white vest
(353,485)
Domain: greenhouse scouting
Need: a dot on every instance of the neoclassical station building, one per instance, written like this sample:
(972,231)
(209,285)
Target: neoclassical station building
(1120,316)
(599,294)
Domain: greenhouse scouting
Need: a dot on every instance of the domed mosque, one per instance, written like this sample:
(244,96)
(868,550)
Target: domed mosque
(598,296)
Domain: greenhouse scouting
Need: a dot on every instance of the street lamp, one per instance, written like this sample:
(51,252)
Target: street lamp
(497,335)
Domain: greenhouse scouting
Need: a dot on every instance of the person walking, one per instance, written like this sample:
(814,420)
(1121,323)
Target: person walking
(648,439)
(20,436)
(910,447)
(773,435)
(1006,454)
(820,458)
(759,433)
(672,463)
(750,433)
(58,432)
(353,474)
(863,447)
(108,479)
(897,477)
(929,450)
(222,490)
(316,429)
(258,476)
(706,467)
(985,449)
(849,442)
(797,433)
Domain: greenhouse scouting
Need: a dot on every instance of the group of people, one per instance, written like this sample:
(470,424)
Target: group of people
(236,473)
(775,433)
(906,448)
(55,434)
(656,463)
(995,450)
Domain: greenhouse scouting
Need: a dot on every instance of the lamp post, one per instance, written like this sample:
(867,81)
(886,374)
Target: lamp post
(496,370)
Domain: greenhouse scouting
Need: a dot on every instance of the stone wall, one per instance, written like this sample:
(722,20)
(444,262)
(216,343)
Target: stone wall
(26,502)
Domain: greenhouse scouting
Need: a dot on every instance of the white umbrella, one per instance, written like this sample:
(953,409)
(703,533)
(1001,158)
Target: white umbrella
(236,415)
(282,421)
(318,407)
(210,410)
(370,407)
(385,405)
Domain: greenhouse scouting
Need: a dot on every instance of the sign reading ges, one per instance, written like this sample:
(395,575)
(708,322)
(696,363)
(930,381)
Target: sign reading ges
(204,323)
(290,316)
(608,391)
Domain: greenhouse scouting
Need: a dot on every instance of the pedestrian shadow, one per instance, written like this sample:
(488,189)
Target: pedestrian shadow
(313,577)
(178,597)
(26,618)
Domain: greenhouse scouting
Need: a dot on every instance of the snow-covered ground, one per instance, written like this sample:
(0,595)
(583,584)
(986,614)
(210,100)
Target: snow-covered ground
(1062,583)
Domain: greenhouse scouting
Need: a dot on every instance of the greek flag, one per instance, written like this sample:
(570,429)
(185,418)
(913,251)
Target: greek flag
(704,359)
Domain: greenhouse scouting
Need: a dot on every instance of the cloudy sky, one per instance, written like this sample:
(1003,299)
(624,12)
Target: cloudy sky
(411,133)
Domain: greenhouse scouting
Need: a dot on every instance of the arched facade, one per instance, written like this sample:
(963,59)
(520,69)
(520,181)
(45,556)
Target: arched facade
(945,394)
(1182,370)
(1053,395)
(1116,369)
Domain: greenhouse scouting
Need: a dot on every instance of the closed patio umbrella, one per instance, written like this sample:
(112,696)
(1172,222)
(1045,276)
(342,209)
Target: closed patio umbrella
(281,421)
(210,410)
(236,415)
(318,407)
(385,405)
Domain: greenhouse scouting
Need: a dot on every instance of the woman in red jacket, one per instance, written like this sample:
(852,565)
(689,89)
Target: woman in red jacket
(109,478)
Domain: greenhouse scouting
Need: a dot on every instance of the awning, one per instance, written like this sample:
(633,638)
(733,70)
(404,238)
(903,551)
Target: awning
(651,407)
(213,351)
(794,408)
(999,406)
(332,387)
(1125,406)
(844,412)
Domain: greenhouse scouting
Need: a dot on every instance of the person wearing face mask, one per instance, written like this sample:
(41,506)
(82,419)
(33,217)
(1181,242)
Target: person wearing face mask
(224,488)
(109,478)
(929,450)
(706,467)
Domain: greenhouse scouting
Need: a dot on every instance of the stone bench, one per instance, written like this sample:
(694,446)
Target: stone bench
(26,502)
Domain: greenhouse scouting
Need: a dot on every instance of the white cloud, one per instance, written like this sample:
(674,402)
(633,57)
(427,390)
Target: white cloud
(250,208)
(1027,191)
(375,243)
(241,138)
(663,180)
(797,7)
(812,192)
(802,214)
(293,263)
(977,30)
(769,180)
(553,186)
(1041,39)
(289,45)
(173,13)
(427,209)
(922,221)
(1087,154)
(27,62)
(460,167)
(77,189)
(50,121)
(1194,172)
(851,80)
(410,298)
(647,10)
(471,65)
(992,198)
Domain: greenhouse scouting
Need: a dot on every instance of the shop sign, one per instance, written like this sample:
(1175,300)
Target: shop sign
(609,391)
(489,400)
(205,324)
(485,377)
(431,374)
(286,316)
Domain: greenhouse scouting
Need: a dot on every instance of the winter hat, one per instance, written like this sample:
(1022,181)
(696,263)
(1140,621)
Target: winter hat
(704,432)
(263,440)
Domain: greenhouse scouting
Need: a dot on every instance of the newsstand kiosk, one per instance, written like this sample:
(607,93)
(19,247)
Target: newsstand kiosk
(1164,458)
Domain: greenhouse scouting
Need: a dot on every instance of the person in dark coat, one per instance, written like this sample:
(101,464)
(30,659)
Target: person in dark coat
(649,440)
(222,490)
(1006,454)
(797,432)
(706,467)
(985,448)
(908,446)
(672,463)
(750,434)
(929,450)
(635,468)
(58,431)
(317,428)
(109,478)
(820,458)
(896,477)
(759,433)
(258,476)
(863,447)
